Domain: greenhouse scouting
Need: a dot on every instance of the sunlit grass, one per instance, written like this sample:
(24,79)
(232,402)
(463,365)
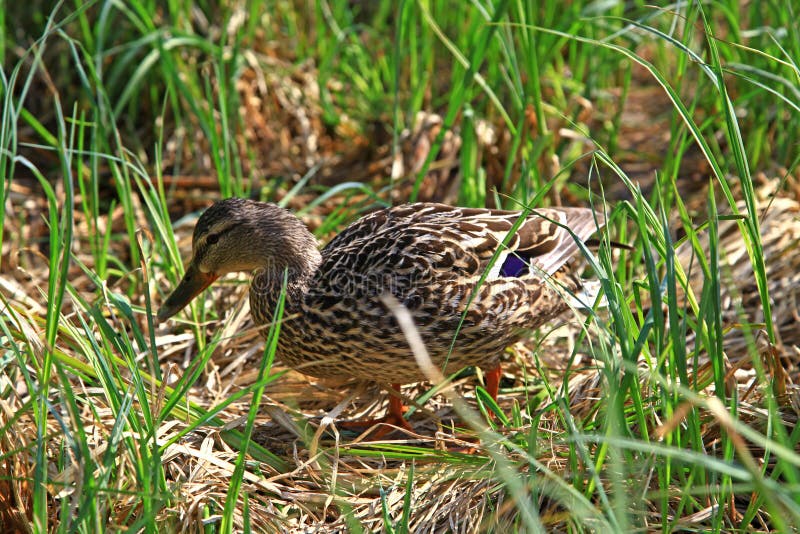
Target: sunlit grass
(108,419)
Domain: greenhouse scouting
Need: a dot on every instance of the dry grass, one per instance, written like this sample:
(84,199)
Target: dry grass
(334,481)
(325,479)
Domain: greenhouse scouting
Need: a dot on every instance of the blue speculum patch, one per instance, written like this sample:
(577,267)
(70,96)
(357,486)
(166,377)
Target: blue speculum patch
(514,266)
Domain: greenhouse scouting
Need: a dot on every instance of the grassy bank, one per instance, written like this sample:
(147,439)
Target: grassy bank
(674,408)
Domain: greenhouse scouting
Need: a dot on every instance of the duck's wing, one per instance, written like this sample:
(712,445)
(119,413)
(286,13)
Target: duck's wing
(460,241)
(540,245)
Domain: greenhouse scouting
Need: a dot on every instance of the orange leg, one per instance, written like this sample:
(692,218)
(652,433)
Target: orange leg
(493,382)
(492,378)
(396,410)
(393,418)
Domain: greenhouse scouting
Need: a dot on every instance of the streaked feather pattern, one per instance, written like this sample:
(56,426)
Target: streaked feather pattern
(435,259)
(431,257)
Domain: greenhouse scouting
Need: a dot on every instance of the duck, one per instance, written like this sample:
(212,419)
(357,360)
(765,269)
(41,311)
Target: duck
(474,280)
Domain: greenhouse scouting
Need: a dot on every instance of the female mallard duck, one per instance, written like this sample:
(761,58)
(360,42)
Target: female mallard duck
(431,257)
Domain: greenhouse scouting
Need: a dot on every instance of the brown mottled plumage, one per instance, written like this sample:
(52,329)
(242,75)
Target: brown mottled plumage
(431,257)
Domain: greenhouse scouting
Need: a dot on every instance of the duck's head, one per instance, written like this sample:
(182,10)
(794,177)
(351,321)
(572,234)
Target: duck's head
(236,235)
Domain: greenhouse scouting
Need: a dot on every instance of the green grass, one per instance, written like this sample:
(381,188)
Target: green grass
(640,423)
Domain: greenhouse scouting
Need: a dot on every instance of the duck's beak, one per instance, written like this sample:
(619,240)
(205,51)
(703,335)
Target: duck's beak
(191,285)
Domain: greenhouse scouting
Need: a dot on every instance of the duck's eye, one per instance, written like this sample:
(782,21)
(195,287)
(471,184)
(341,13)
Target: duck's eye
(212,239)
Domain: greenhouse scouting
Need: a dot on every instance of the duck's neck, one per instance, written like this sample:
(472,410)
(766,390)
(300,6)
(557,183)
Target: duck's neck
(268,282)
